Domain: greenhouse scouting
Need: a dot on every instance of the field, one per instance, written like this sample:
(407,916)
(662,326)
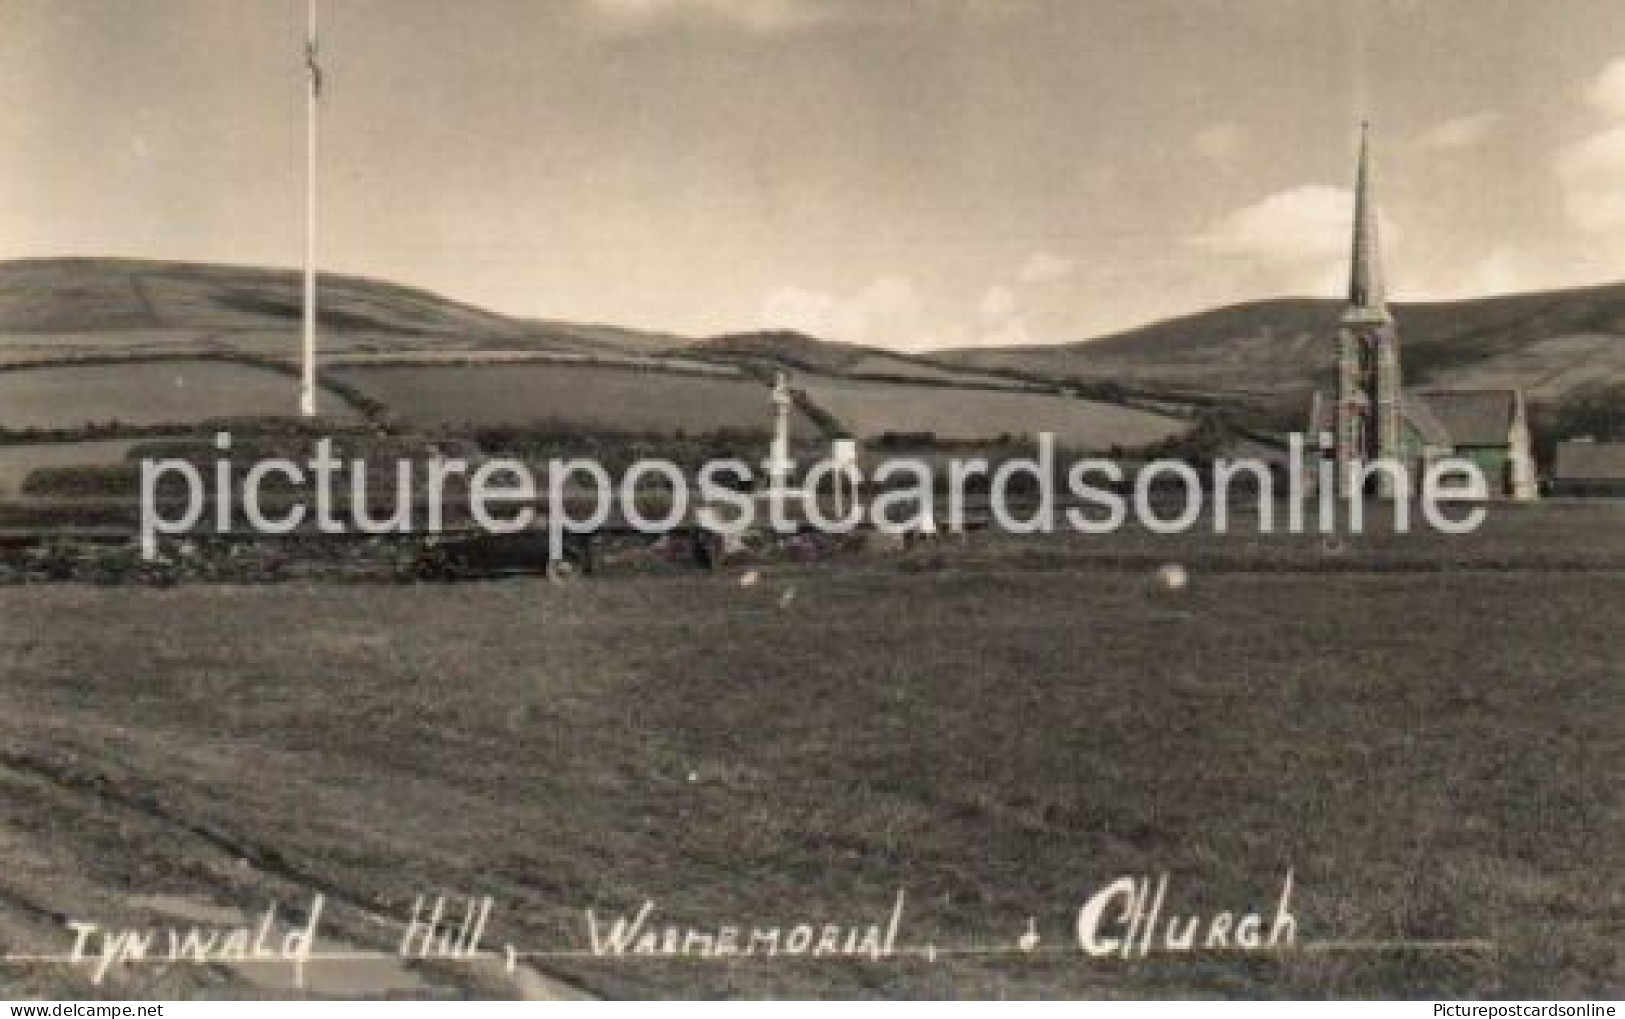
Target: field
(1000,730)
(519,394)
(39,348)
(146,393)
(17,461)
(902,368)
(872,408)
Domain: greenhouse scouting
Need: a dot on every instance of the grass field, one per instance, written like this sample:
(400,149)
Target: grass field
(519,394)
(147,393)
(36,348)
(18,461)
(898,367)
(1436,756)
(872,408)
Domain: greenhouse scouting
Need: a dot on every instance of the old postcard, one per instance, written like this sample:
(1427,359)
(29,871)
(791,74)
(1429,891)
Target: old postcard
(816,499)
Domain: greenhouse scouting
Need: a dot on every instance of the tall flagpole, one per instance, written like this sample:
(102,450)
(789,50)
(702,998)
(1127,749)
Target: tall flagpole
(307,381)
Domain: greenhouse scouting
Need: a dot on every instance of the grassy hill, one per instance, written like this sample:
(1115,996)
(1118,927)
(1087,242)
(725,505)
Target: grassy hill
(1547,343)
(119,303)
(53,310)
(104,346)
(108,344)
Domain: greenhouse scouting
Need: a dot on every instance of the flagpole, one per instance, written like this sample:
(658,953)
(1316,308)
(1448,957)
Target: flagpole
(307,381)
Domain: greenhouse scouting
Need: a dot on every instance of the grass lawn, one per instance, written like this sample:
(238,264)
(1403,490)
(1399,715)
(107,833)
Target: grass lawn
(872,408)
(520,394)
(1436,756)
(146,393)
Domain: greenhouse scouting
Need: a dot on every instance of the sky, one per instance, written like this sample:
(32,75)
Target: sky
(909,173)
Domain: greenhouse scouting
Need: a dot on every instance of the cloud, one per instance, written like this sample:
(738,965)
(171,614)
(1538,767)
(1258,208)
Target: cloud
(1592,175)
(998,303)
(1501,270)
(1294,241)
(889,312)
(1607,90)
(763,17)
(1010,332)
(1044,267)
(1591,171)
(1459,132)
(1000,322)
(1221,143)
(1307,222)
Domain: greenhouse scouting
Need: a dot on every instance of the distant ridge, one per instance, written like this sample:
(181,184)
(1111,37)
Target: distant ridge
(1548,343)
(95,347)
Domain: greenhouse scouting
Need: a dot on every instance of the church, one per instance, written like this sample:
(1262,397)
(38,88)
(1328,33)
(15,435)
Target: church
(1372,417)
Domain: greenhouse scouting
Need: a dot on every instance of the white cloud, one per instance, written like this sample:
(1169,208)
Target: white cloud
(1302,223)
(1044,267)
(1294,241)
(998,303)
(1221,143)
(765,17)
(1592,175)
(1459,132)
(1591,172)
(1501,270)
(888,312)
(1000,320)
(1010,332)
(1607,90)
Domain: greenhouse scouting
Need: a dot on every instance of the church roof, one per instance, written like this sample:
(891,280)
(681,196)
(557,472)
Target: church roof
(1590,461)
(1414,407)
(1446,417)
(1474,417)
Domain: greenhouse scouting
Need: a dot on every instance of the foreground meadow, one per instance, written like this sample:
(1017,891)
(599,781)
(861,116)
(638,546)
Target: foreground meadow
(1435,756)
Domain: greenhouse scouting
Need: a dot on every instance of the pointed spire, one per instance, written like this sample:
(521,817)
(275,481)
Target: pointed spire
(1366,295)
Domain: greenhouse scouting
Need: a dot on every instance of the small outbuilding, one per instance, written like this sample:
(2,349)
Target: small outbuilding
(1586,468)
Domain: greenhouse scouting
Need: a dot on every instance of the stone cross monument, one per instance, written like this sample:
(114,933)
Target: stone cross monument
(778,459)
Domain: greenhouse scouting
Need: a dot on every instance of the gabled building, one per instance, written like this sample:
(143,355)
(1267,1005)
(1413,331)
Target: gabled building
(1583,467)
(1371,417)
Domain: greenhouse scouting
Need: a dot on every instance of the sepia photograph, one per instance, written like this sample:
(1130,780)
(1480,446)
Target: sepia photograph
(813,500)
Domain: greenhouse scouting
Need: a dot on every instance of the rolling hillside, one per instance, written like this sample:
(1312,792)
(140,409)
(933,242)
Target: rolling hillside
(94,348)
(93,315)
(89,305)
(1547,343)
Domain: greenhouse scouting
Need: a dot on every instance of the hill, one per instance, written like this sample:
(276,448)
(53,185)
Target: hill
(1547,343)
(97,348)
(110,346)
(110,305)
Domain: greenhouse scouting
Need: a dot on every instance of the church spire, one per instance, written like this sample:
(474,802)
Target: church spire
(1366,297)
